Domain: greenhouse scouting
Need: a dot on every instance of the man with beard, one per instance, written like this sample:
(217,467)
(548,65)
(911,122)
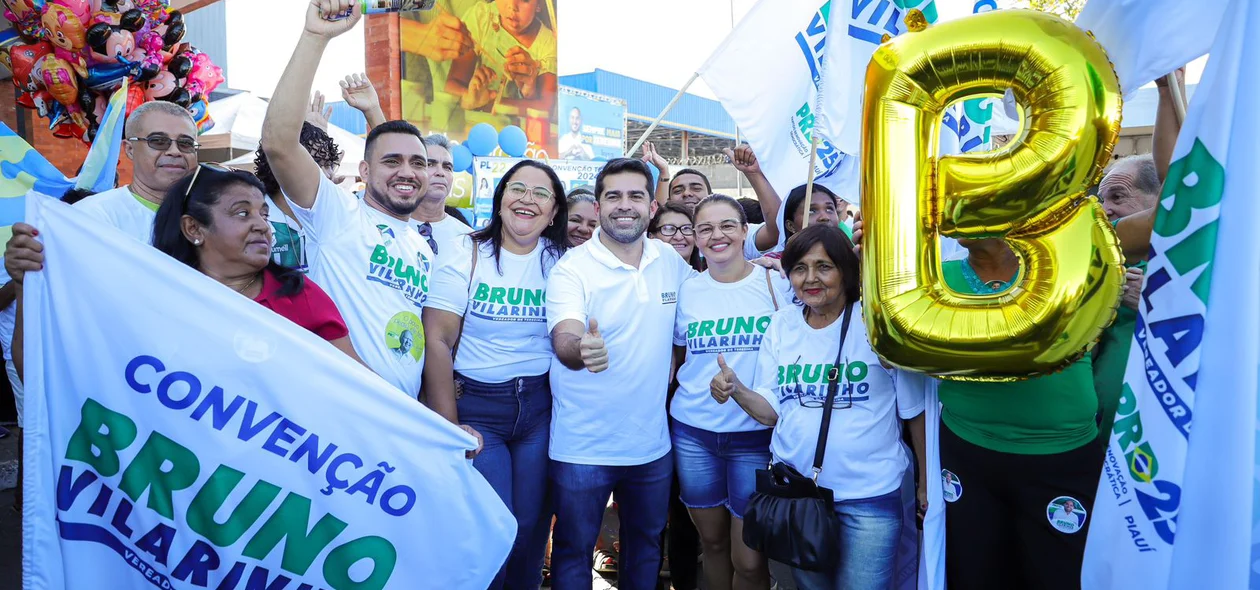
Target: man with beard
(440,231)
(370,259)
(610,309)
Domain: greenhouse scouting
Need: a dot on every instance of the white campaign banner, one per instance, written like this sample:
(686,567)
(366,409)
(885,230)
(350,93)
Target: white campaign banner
(767,74)
(179,435)
(1176,504)
(1146,39)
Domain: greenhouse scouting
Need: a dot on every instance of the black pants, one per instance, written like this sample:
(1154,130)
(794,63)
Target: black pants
(1017,521)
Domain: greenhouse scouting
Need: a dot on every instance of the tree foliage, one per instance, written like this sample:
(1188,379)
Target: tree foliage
(1067,9)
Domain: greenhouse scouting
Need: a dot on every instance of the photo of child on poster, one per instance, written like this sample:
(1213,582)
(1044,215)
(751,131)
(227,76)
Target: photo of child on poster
(481,61)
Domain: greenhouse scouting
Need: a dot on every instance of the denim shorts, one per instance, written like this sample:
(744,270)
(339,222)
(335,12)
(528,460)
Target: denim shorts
(718,468)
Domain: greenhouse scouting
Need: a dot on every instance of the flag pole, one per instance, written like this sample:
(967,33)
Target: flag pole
(809,184)
(1179,101)
(661,117)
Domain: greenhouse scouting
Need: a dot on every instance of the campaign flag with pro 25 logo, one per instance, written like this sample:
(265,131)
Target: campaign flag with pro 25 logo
(767,74)
(179,435)
(1176,504)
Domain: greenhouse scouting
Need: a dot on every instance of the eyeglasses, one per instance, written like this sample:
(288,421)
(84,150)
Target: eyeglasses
(211,165)
(426,230)
(671,229)
(162,143)
(845,392)
(726,226)
(518,190)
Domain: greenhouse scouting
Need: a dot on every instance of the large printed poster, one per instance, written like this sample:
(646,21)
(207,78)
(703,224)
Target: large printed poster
(487,172)
(482,61)
(594,125)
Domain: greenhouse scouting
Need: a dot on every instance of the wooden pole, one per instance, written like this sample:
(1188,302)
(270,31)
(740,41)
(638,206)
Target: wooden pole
(809,184)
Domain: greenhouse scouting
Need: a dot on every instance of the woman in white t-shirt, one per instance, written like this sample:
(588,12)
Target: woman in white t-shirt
(488,302)
(722,316)
(864,461)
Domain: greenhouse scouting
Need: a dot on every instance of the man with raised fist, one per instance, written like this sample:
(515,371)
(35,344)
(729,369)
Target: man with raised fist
(610,308)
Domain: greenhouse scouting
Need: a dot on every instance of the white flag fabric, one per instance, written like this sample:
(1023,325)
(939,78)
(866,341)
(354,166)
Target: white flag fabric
(766,75)
(179,435)
(1176,505)
(1146,39)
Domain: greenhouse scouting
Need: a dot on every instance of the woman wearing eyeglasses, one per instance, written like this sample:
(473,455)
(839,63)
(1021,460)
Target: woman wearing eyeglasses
(864,461)
(722,314)
(216,222)
(673,225)
(488,351)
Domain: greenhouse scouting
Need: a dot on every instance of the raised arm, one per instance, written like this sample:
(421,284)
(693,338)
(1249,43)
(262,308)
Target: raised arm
(1134,232)
(745,161)
(295,170)
(1167,127)
(357,90)
(654,159)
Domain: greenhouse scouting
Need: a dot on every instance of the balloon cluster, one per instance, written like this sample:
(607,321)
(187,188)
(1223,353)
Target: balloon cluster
(482,141)
(69,56)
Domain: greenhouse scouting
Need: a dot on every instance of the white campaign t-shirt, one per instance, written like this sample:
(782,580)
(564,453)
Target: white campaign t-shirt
(121,209)
(751,252)
(865,457)
(726,318)
(376,269)
(505,313)
(289,246)
(447,234)
(615,417)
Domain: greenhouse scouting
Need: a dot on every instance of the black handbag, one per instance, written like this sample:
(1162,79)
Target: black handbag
(790,518)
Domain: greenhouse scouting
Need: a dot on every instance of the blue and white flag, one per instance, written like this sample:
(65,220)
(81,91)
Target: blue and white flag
(1176,504)
(179,435)
(766,74)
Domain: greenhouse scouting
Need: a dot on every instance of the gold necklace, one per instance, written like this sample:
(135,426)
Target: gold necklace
(242,290)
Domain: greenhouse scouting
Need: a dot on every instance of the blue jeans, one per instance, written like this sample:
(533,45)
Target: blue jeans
(869,531)
(718,468)
(514,419)
(580,494)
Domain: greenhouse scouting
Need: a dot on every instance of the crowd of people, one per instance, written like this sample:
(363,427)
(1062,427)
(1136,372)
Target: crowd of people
(649,341)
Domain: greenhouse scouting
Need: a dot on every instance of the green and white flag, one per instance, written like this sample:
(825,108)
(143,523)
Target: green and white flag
(1176,505)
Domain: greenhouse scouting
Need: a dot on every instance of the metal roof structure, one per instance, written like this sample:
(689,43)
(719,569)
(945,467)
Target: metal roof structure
(707,127)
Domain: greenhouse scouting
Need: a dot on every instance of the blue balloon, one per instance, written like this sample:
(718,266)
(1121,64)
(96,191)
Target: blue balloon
(482,139)
(513,141)
(461,158)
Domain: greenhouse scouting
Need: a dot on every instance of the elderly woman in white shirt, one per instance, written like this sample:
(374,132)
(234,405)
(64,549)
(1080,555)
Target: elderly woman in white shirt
(864,460)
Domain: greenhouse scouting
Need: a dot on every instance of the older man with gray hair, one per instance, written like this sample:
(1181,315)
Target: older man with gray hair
(441,231)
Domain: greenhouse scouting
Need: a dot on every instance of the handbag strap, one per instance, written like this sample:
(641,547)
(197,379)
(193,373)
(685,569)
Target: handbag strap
(833,386)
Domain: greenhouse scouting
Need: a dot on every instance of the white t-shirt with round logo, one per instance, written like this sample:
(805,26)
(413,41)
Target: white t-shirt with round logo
(615,417)
(376,268)
(504,308)
(725,318)
(865,457)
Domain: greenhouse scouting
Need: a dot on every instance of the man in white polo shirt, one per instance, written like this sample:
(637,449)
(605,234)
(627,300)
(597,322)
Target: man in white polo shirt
(369,259)
(610,309)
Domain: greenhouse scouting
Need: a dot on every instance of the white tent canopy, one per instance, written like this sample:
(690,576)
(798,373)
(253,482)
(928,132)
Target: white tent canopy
(238,122)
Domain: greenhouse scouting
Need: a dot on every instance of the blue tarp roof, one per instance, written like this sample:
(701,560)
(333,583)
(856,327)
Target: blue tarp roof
(645,100)
(348,118)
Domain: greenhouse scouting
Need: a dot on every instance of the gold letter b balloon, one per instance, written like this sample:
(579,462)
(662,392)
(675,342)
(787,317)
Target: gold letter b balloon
(1031,194)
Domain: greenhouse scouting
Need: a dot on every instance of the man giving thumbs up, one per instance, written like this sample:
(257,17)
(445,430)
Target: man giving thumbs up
(609,380)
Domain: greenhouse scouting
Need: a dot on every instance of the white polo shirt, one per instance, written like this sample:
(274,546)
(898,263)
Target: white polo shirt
(615,417)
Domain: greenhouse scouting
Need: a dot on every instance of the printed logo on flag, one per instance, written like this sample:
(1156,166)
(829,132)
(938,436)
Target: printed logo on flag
(1066,514)
(813,40)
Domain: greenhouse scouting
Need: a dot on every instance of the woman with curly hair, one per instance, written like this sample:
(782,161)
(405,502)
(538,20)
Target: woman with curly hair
(289,247)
